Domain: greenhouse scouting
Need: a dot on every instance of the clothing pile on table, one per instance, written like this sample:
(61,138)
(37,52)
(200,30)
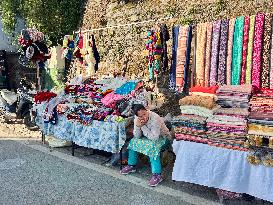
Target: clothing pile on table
(195,109)
(228,126)
(260,128)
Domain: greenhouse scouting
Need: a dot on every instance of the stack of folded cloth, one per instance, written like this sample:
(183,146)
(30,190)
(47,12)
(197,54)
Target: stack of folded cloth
(234,96)
(195,109)
(260,127)
(228,128)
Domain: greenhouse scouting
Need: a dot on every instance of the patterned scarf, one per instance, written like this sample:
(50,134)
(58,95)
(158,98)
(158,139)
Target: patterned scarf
(250,50)
(237,50)
(200,54)
(266,50)
(208,53)
(223,52)
(188,56)
(245,43)
(257,50)
(215,52)
(229,52)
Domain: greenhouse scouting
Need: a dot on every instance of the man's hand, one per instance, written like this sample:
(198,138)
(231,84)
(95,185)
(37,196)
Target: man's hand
(140,123)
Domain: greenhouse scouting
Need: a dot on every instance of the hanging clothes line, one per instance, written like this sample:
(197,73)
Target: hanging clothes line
(124,25)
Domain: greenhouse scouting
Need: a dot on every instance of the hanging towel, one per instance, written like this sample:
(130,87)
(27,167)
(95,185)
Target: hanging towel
(266,51)
(174,57)
(200,54)
(245,43)
(271,59)
(250,50)
(222,66)
(257,51)
(208,52)
(181,57)
(214,52)
(229,52)
(188,56)
(237,50)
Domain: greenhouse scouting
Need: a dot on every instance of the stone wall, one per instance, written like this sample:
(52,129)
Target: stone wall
(113,44)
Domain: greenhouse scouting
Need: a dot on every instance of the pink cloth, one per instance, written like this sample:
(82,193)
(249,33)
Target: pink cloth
(257,50)
(111,98)
(230,45)
(245,44)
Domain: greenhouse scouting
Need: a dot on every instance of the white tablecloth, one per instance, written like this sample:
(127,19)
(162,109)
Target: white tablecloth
(221,168)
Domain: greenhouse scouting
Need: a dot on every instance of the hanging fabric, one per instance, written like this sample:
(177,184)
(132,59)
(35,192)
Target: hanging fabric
(271,59)
(266,51)
(95,52)
(215,52)
(245,43)
(257,51)
(250,50)
(222,66)
(200,54)
(165,36)
(174,58)
(188,56)
(237,50)
(208,52)
(230,46)
(181,57)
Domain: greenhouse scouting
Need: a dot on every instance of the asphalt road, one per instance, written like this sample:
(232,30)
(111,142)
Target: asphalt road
(30,175)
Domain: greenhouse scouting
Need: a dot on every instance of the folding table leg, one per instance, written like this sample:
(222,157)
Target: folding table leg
(73,148)
(120,153)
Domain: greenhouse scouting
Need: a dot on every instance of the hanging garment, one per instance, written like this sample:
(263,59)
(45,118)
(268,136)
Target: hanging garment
(174,58)
(230,46)
(237,50)
(266,51)
(181,57)
(245,43)
(250,50)
(208,53)
(257,51)
(271,59)
(200,54)
(165,36)
(215,52)
(187,64)
(222,66)
(95,52)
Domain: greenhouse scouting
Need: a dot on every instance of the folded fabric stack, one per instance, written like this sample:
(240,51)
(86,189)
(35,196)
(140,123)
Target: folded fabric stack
(228,126)
(261,118)
(234,96)
(195,109)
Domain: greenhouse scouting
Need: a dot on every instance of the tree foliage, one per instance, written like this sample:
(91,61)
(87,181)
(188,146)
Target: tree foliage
(53,17)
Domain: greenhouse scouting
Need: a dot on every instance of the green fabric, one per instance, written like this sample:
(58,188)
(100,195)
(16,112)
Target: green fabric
(237,50)
(51,78)
(250,50)
(148,147)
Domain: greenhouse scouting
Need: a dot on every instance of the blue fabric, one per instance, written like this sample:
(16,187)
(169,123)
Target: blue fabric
(155,163)
(126,88)
(174,55)
(188,56)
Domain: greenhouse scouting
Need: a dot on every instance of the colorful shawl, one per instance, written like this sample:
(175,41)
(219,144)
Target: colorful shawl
(250,50)
(229,52)
(257,50)
(214,52)
(237,50)
(208,53)
(245,43)
(174,57)
(223,52)
(266,50)
(200,54)
(271,61)
(181,56)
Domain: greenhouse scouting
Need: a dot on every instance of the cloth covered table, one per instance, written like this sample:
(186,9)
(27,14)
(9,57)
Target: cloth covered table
(106,136)
(221,168)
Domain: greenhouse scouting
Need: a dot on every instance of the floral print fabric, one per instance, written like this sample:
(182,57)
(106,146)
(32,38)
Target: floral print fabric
(208,53)
(266,51)
(257,51)
(245,43)
(237,50)
(223,52)
(215,52)
(229,52)
(250,50)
